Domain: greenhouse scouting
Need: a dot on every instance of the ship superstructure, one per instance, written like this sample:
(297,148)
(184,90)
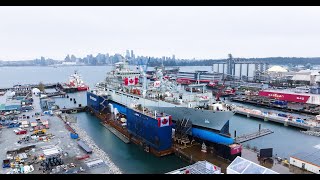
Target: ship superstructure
(129,88)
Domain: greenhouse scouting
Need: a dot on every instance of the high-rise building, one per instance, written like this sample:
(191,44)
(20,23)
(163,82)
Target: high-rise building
(132,55)
(127,54)
(73,58)
(107,58)
(173,57)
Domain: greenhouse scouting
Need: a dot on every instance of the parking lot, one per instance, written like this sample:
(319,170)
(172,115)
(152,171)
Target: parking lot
(53,146)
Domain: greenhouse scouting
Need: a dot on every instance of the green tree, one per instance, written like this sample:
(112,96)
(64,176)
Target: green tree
(308,66)
(41,86)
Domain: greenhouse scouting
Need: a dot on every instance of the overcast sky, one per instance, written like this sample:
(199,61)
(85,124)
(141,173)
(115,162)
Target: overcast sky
(187,32)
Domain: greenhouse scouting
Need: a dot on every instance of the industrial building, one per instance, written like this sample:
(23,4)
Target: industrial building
(9,104)
(307,161)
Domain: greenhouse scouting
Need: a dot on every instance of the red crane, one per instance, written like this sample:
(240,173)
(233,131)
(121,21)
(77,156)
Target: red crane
(220,90)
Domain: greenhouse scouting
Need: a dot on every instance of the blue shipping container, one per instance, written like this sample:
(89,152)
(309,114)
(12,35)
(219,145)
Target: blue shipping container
(74,136)
(282,115)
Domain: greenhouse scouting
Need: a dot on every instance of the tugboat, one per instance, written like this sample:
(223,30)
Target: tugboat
(75,81)
(75,84)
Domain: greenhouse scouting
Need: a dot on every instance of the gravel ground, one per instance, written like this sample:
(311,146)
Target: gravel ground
(62,140)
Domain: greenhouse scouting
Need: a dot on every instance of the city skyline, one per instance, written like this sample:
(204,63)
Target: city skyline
(185,32)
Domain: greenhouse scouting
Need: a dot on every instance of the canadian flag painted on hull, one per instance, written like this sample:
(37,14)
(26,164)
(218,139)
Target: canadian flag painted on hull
(164,121)
(131,81)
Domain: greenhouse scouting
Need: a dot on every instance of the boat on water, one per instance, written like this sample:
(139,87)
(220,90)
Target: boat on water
(75,81)
(125,88)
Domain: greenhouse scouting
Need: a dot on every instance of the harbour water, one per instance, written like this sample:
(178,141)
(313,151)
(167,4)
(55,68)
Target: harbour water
(128,157)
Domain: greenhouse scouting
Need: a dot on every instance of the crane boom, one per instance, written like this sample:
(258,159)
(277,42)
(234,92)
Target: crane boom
(220,90)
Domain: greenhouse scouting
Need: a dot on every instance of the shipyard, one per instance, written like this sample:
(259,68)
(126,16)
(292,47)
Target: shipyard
(157,90)
(155,114)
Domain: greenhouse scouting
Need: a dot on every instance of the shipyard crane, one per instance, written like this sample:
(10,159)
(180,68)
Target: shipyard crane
(220,90)
(143,69)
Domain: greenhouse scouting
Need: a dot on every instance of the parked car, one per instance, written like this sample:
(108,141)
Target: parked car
(20,131)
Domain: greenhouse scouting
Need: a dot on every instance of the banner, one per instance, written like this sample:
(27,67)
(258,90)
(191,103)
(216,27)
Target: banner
(164,121)
(129,81)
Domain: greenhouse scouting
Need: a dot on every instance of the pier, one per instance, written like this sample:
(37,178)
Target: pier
(248,137)
(52,94)
(273,118)
(29,86)
(272,106)
(73,109)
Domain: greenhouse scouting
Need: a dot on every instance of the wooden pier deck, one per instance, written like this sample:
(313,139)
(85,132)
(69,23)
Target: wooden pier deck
(248,137)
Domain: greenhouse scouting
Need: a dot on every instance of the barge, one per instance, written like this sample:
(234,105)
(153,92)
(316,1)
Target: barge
(152,132)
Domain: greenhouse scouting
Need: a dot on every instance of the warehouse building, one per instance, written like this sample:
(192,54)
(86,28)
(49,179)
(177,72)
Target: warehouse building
(307,161)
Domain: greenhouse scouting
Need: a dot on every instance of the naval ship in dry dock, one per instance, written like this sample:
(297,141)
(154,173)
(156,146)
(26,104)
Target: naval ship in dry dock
(128,88)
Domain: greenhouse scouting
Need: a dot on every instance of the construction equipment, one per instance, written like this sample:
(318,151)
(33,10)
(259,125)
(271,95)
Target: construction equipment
(220,90)
(38,132)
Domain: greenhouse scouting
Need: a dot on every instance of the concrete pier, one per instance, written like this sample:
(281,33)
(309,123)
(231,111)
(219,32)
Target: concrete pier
(273,118)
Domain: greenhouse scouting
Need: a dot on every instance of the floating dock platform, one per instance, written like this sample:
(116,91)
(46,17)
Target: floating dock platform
(123,133)
(248,137)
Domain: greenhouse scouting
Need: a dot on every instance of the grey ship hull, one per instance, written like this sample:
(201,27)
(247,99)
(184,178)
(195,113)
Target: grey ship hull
(203,118)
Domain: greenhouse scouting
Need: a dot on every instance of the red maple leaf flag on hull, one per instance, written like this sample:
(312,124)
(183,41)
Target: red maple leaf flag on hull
(164,121)
(129,81)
